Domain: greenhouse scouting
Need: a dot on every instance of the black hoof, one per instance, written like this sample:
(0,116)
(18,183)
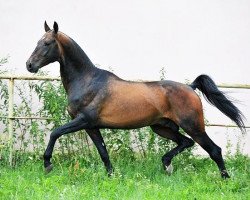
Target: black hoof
(48,169)
(224,175)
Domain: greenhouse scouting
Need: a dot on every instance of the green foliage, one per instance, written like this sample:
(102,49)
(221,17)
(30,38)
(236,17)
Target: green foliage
(54,99)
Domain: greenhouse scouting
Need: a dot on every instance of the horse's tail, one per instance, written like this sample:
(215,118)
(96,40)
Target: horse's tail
(217,98)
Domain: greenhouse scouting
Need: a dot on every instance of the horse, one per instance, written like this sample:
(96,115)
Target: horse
(99,99)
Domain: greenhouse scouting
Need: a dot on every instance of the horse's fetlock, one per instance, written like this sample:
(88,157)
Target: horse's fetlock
(166,161)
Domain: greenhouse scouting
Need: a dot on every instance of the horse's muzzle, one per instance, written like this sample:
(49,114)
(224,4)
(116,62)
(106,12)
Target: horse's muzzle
(31,68)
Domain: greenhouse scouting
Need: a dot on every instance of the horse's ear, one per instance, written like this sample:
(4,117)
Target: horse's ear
(46,27)
(55,27)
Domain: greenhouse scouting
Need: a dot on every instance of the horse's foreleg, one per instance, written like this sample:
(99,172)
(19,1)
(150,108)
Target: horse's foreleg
(182,141)
(96,137)
(75,125)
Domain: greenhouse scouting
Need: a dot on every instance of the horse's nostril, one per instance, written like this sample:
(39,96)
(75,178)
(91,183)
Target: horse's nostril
(29,65)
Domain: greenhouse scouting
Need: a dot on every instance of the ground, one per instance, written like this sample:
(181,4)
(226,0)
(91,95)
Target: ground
(141,178)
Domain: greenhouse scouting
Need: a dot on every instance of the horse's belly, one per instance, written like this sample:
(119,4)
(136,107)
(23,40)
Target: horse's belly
(129,115)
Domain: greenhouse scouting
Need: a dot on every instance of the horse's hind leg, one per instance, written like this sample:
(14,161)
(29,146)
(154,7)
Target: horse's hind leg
(212,149)
(173,134)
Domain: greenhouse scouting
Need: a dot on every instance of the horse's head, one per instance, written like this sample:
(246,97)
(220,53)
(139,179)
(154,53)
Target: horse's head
(46,51)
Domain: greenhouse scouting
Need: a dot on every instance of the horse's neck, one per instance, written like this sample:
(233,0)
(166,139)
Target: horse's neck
(74,64)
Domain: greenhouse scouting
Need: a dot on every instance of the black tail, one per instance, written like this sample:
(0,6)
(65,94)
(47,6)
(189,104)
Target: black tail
(217,98)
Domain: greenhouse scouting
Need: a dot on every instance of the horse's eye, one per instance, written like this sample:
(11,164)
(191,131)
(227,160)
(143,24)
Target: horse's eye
(46,43)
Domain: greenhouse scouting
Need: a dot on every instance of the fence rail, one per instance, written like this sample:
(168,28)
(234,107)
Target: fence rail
(11,83)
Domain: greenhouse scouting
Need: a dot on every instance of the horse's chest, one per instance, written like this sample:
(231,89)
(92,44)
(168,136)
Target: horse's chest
(80,102)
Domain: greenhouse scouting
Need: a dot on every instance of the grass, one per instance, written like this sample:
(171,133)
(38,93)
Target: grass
(141,178)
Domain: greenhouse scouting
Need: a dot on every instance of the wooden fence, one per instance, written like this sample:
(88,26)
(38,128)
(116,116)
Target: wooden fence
(11,83)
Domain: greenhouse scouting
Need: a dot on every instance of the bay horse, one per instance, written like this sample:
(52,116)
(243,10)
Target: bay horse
(99,99)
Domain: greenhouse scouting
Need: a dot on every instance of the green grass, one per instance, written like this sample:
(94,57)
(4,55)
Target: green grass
(193,178)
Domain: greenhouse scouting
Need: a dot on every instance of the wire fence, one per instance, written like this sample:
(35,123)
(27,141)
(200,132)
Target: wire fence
(10,117)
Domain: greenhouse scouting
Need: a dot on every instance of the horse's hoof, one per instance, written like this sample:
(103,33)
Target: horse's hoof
(110,173)
(224,174)
(48,169)
(169,169)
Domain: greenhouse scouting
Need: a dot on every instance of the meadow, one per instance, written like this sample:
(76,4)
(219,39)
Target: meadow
(137,178)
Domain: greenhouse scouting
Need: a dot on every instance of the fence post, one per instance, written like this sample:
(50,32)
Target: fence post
(10,119)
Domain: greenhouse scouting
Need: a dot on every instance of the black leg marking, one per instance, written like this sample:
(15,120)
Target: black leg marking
(213,150)
(182,141)
(97,138)
(73,126)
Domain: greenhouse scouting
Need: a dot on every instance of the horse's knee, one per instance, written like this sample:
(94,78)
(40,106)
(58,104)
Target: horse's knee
(55,134)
